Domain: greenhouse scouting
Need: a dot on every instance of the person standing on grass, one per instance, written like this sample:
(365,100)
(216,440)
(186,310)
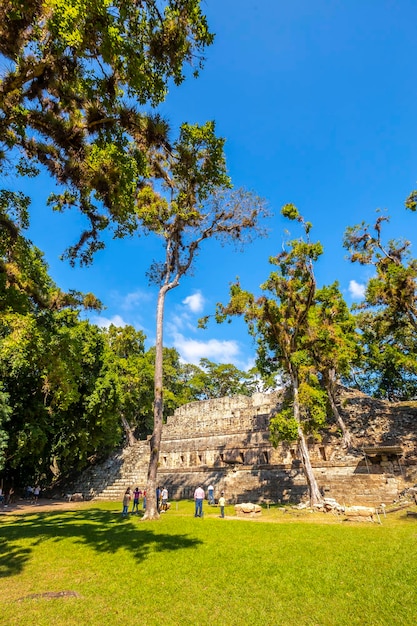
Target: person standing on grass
(210,494)
(126,501)
(164,496)
(136,495)
(199,496)
(222,503)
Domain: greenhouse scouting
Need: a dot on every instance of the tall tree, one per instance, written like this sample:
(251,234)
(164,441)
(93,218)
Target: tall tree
(280,321)
(387,316)
(333,342)
(74,78)
(194,205)
(125,363)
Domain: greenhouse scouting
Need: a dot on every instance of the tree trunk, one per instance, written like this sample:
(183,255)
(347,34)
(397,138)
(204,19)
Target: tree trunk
(313,488)
(330,383)
(151,511)
(131,439)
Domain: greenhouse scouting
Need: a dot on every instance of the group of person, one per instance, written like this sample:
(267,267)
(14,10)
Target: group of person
(162,500)
(32,494)
(136,496)
(199,496)
(6,498)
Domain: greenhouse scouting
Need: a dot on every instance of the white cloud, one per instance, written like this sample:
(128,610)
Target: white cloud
(177,323)
(191,351)
(356,290)
(105,322)
(134,299)
(195,302)
(184,319)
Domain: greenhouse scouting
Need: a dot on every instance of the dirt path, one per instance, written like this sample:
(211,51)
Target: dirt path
(22,507)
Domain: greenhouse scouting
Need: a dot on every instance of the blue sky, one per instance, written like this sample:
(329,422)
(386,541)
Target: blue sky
(317,102)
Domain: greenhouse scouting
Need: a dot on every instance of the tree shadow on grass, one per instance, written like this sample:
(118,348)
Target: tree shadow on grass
(100,530)
(12,557)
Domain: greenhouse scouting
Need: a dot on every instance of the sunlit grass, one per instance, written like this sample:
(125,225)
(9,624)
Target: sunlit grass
(305,569)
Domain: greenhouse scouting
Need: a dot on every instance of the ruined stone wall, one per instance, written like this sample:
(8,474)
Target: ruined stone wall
(226,442)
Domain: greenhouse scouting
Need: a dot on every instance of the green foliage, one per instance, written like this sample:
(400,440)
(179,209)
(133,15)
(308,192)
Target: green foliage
(50,363)
(411,202)
(72,71)
(5,414)
(387,317)
(199,167)
(283,427)
(280,320)
(291,212)
(333,338)
(313,402)
(212,380)
(388,368)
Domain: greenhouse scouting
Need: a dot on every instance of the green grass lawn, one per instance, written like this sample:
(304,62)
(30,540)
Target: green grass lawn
(291,568)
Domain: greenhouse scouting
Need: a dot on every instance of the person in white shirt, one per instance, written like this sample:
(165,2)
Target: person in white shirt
(164,496)
(210,494)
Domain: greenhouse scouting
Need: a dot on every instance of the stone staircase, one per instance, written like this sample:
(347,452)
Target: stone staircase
(110,479)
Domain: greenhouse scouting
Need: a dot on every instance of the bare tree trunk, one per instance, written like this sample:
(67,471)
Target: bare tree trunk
(131,439)
(151,511)
(330,383)
(313,488)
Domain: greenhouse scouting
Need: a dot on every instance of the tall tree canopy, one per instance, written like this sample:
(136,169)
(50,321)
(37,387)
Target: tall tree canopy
(280,323)
(387,317)
(73,79)
(333,342)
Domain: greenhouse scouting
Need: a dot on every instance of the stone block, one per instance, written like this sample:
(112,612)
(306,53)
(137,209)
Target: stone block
(247,509)
(360,513)
(76,497)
